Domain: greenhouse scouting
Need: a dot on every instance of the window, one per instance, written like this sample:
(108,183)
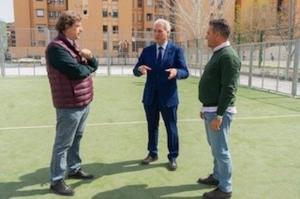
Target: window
(140,18)
(140,3)
(105,28)
(115,45)
(148,29)
(57,14)
(53,14)
(56,1)
(41,43)
(85,12)
(40,12)
(104,45)
(160,4)
(50,14)
(149,17)
(104,12)
(221,3)
(279,5)
(41,28)
(115,14)
(149,3)
(115,29)
(33,43)
(160,17)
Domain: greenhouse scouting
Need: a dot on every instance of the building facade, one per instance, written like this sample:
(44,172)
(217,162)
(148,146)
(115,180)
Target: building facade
(274,20)
(114,27)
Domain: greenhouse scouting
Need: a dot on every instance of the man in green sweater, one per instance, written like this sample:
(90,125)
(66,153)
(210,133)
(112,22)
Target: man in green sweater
(217,90)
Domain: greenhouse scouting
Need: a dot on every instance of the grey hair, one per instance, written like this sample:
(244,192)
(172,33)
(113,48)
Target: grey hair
(165,23)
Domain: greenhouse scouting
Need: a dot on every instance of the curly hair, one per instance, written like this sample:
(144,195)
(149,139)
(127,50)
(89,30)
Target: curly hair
(66,20)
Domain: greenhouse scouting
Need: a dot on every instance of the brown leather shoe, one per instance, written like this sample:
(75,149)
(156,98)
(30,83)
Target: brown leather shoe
(61,188)
(80,174)
(210,180)
(149,159)
(172,166)
(217,194)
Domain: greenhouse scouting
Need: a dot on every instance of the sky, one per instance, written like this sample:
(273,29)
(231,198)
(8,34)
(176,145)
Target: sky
(7,10)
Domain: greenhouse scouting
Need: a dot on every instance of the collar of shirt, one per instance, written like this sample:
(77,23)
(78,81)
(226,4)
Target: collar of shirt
(72,42)
(222,45)
(164,46)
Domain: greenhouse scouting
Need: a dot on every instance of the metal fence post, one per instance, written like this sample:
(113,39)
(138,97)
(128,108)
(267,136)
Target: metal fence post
(19,70)
(250,66)
(2,57)
(108,54)
(263,60)
(34,69)
(48,37)
(295,68)
(278,66)
(2,64)
(201,61)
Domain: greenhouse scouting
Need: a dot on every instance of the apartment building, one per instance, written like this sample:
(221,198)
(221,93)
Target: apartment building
(121,27)
(268,20)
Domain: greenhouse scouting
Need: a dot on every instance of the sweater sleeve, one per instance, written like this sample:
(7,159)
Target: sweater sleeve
(93,63)
(230,67)
(62,61)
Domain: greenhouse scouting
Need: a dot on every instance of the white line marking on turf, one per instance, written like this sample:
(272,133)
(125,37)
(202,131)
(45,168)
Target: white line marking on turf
(144,122)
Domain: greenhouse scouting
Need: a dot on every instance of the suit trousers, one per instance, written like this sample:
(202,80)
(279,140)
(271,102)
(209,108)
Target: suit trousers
(169,115)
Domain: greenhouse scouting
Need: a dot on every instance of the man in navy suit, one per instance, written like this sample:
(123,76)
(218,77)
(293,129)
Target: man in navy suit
(163,63)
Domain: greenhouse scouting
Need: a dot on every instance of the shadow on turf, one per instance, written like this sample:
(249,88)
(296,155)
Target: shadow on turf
(144,192)
(40,177)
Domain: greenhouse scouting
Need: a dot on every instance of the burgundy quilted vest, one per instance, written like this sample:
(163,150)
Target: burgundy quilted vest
(67,93)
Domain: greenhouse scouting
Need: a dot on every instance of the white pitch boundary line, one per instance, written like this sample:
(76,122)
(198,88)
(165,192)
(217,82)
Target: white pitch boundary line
(144,122)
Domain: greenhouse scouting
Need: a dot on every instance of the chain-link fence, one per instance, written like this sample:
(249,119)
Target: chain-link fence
(272,66)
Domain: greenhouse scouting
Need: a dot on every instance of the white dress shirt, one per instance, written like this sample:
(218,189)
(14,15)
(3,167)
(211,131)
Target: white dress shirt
(164,46)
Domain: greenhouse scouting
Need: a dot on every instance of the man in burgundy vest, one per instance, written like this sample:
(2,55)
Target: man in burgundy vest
(69,72)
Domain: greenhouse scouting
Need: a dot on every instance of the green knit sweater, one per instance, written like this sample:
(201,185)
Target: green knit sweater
(219,81)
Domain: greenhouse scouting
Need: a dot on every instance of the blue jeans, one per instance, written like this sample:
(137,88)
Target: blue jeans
(219,140)
(70,124)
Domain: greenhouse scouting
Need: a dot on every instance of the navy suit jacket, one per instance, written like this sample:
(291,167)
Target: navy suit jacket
(157,83)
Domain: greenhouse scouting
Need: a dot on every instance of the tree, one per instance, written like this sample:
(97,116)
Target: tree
(253,19)
(192,16)
(191,19)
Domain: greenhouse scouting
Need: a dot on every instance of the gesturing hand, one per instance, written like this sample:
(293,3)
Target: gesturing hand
(172,73)
(143,69)
(201,115)
(215,124)
(86,53)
